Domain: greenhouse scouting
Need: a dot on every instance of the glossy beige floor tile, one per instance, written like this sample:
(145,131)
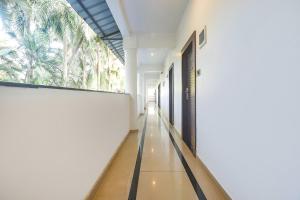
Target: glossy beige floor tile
(208,184)
(159,154)
(162,175)
(116,181)
(165,186)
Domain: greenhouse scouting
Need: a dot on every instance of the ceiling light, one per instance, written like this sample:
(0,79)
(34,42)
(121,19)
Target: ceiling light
(152,54)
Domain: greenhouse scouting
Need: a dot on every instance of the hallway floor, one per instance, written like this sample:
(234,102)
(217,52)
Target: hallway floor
(165,168)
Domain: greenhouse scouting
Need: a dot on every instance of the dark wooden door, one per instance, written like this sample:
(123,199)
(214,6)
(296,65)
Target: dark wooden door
(189,93)
(158,95)
(171,95)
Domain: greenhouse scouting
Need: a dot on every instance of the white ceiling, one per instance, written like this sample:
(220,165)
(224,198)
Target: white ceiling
(152,56)
(151,79)
(154,22)
(153,16)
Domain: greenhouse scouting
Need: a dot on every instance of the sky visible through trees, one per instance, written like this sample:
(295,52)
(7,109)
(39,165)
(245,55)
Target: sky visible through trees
(45,42)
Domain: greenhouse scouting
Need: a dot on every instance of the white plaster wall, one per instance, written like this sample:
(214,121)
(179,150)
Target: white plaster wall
(140,93)
(174,57)
(151,84)
(150,81)
(54,144)
(248,95)
(165,96)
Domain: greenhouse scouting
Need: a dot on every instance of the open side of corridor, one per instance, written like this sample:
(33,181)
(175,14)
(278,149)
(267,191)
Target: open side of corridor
(164,167)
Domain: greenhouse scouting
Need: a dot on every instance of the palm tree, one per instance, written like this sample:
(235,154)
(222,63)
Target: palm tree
(62,20)
(22,24)
(100,58)
(79,59)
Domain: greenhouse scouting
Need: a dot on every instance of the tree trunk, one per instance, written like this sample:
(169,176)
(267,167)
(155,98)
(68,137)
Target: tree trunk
(75,50)
(84,77)
(29,73)
(84,74)
(65,63)
(109,73)
(28,76)
(98,72)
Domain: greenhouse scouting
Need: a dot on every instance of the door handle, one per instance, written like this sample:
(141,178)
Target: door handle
(187,94)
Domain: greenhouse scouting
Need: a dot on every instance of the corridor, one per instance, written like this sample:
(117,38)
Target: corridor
(149,100)
(165,169)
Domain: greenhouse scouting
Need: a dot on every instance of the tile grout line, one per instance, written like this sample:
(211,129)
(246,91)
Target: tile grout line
(162,171)
(137,168)
(188,170)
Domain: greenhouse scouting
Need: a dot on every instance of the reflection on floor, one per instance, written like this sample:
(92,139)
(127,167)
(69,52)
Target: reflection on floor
(162,175)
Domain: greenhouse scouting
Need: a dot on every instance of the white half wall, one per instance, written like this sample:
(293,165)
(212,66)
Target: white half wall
(54,144)
(248,95)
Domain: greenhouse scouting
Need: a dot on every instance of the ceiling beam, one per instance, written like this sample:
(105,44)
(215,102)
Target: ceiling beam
(118,11)
(91,6)
(110,34)
(97,25)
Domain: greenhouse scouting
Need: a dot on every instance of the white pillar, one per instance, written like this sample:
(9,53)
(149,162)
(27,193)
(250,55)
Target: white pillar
(131,84)
(141,93)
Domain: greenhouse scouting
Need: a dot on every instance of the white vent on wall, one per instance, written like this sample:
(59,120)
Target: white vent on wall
(202,37)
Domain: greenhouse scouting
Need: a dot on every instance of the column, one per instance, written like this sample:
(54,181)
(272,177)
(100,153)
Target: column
(131,84)
(141,92)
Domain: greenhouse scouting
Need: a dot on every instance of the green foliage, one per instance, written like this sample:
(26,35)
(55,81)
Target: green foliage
(46,42)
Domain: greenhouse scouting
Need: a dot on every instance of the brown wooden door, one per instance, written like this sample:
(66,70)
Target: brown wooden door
(189,93)
(171,95)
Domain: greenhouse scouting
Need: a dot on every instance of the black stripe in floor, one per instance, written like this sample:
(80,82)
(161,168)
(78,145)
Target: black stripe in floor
(188,170)
(137,169)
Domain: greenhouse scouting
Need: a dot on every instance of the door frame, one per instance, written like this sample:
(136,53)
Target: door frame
(158,95)
(191,40)
(172,87)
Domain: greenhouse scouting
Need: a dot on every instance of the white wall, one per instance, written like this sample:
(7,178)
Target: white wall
(151,79)
(173,58)
(248,95)
(54,144)
(164,99)
(140,93)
